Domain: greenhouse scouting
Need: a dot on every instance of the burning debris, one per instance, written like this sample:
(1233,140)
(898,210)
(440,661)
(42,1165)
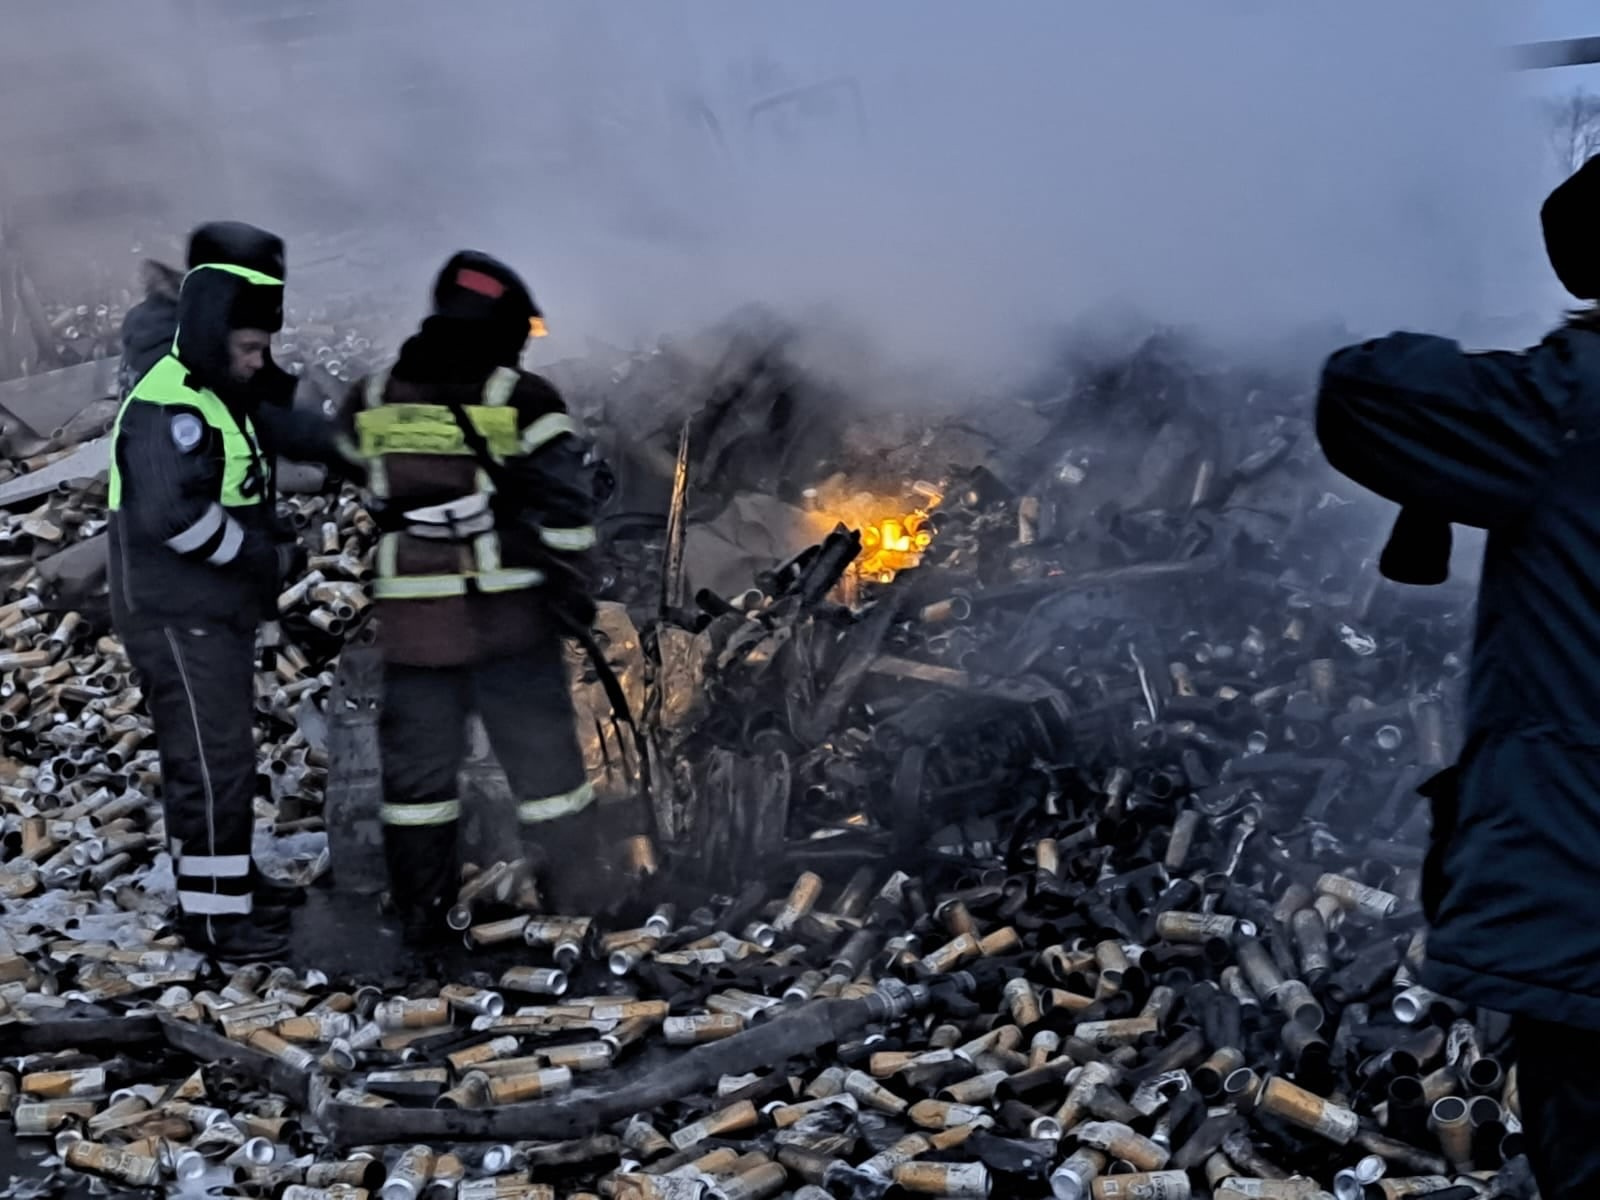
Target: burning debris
(1084,772)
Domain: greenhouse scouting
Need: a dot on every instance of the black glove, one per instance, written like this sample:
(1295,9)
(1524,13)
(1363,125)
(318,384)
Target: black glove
(567,590)
(576,607)
(292,559)
(1418,550)
(273,385)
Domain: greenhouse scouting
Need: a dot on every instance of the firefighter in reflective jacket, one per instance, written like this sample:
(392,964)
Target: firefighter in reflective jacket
(196,561)
(484,537)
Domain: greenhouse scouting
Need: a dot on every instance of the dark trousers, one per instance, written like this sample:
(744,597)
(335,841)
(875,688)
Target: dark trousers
(525,704)
(1558,1079)
(197,685)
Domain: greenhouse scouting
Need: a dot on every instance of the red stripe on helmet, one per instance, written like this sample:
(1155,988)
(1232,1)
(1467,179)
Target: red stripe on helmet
(477,281)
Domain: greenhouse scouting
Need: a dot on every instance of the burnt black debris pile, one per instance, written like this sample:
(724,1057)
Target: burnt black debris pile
(1068,847)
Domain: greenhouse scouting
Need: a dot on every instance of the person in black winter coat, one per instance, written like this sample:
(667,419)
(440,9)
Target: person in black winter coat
(1510,443)
(197,558)
(148,330)
(149,327)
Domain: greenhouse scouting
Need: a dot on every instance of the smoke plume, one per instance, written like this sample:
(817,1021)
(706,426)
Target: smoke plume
(950,182)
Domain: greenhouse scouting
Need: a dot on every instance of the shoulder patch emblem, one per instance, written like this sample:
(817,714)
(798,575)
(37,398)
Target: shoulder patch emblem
(188,431)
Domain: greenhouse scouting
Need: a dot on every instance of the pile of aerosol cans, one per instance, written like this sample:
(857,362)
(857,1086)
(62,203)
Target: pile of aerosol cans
(1092,871)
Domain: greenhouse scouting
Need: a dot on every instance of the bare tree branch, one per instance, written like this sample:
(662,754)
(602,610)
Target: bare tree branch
(1574,130)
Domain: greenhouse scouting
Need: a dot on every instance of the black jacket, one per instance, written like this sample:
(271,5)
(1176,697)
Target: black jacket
(166,490)
(545,491)
(149,327)
(1510,443)
(169,487)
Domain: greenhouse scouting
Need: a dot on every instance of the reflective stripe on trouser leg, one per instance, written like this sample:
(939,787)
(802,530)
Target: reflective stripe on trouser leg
(422,739)
(539,809)
(214,883)
(525,701)
(439,812)
(423,864)
(197,684)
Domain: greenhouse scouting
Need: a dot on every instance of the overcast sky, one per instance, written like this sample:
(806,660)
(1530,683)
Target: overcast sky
(953,181)
(1564,19)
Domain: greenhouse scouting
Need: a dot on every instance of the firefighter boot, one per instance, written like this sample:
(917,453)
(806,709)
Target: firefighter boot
(237,939)
(571,872)
(273,893)
(423,878)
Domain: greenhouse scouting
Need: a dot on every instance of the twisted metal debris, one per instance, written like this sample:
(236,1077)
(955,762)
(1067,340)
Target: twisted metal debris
(1081,860)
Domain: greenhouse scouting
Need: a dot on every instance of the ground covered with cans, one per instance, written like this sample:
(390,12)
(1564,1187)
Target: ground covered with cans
(1075,854)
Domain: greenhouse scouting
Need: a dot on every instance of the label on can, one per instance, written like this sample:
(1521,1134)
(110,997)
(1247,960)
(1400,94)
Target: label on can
(582,1056)
(506,1187)
(1172,925)
(539,981)
(1368,901)
(1157,1185)
(1336,1124)
(686,1031)
(66,1084)
(689,1135)
(1239,1188)
(1417,1185)
(1110,1033)
(883,1163)
(943,1179)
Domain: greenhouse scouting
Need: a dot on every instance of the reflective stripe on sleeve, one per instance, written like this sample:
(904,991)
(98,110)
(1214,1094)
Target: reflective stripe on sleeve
(440,813)
(546,429)
(419,587)
(578,537)
(377,384)
(347,448)
(428,587)
(213,904)
(532,812)
(232,543)
(200,532)
(498,387)
(509,580)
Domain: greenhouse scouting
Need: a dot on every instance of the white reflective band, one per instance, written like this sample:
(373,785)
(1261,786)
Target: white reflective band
(201,532)
(531,812)
(508,580)
(489,577)
(232,542)
(579,537)
(426,587)
(498,387)
(547,428)
(462,508)
(347,448)
(441,813)
(454,520)
(377,384)
(486,552)
(210,904)
(217,866)
(419,587)
(460,531)
(388,554)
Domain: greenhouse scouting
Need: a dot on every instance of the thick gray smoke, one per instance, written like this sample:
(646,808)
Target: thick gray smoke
(949,180)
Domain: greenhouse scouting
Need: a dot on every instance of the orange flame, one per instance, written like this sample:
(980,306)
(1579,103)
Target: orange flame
(889,544)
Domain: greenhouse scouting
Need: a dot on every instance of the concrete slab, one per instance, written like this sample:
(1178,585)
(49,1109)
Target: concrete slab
(89,461)
(45,403)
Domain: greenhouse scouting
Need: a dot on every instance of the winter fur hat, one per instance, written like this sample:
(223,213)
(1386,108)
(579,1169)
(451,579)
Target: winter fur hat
(1571,220)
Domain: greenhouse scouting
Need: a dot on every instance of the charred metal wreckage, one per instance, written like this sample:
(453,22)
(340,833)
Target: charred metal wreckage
(1039,825)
